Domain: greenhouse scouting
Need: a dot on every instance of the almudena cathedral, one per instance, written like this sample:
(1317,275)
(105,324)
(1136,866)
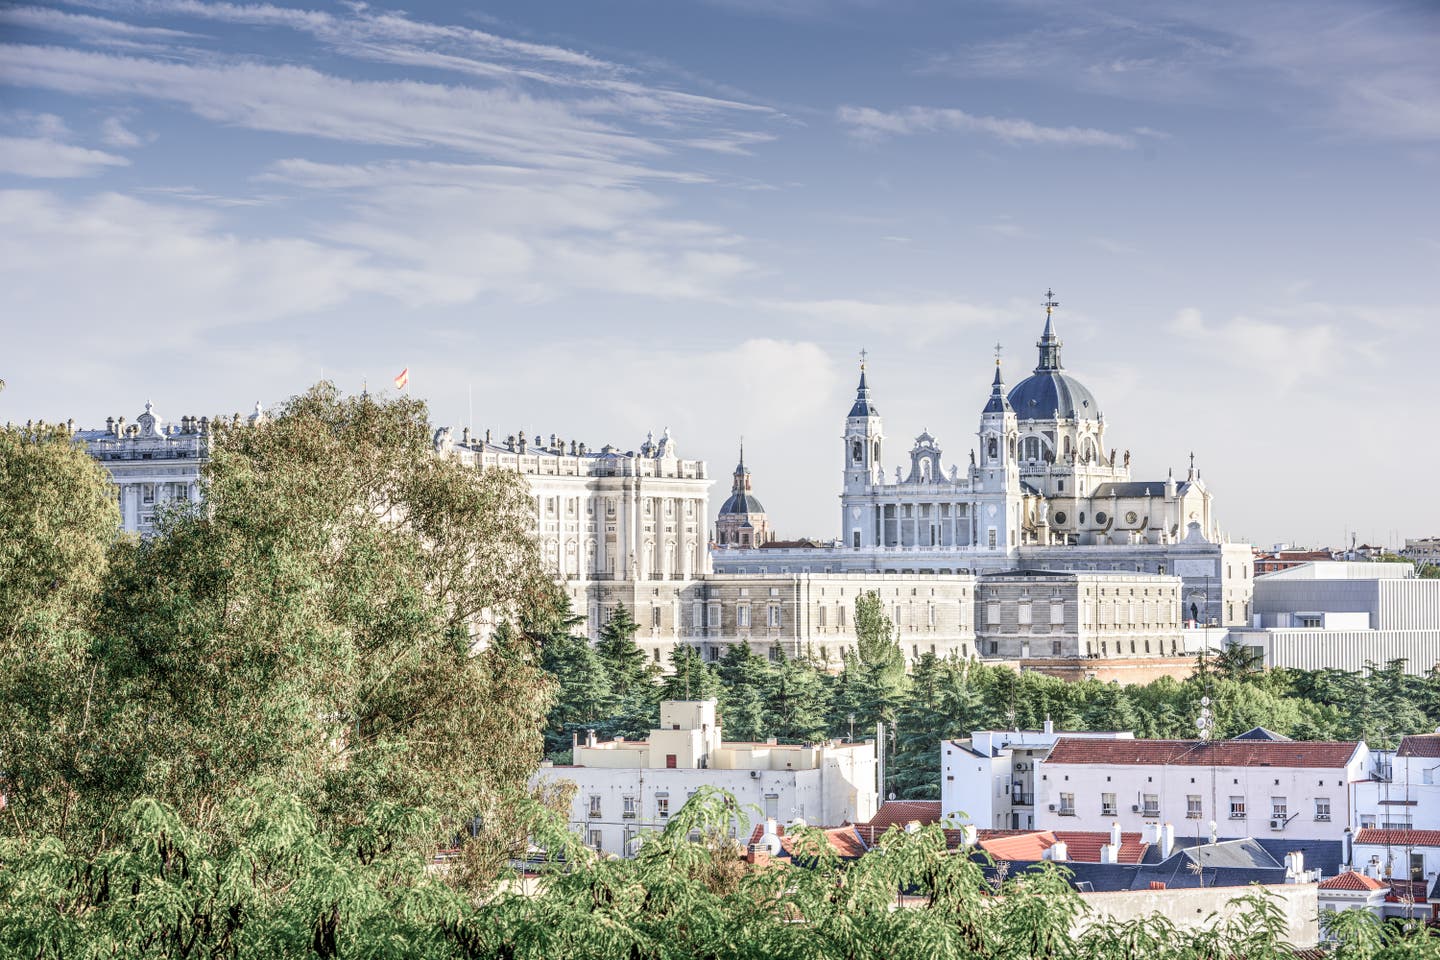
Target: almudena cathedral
(1043,549)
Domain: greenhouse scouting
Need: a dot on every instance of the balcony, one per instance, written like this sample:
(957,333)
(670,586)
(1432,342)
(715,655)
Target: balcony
(1066,811)
(1022,799)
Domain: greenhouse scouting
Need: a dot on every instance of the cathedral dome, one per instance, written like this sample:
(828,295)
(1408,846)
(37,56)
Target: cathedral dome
(1053,395)
(1050,393)
(741,503)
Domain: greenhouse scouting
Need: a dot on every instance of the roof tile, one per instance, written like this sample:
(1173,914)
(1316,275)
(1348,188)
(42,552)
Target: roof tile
(1352,880)
(1398,838)
(1222,753)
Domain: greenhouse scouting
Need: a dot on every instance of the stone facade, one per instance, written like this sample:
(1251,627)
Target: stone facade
(152,463)
(1025,614)
(607,514)
(1042,490)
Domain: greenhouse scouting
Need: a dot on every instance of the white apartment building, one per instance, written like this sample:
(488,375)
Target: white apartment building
(1405,792)
(1227,788)
(624,787)
(988,780)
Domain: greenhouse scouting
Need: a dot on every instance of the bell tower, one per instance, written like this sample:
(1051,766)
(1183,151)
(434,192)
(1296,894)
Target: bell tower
(996,476)
(863,448)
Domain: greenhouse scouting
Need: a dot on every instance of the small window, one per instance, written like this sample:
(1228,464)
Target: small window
(670,761)
(1108,806)
(1237,808)
(1193,809)
(595,806)
(662,806)
(1151,805)
(1067,804)
(1322,808)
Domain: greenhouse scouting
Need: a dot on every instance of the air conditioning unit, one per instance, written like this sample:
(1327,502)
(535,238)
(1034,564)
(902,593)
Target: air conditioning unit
(1135,808)
(1022,766)
(754,774)
(1052,808)
(1277,824)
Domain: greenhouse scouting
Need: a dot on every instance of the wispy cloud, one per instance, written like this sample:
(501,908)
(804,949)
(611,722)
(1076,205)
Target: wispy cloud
(1348,65)
(114,132)
(868,123)
(41,157)
(99,31)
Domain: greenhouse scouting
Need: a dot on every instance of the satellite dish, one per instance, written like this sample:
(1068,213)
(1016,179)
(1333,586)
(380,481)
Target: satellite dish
(1204,701)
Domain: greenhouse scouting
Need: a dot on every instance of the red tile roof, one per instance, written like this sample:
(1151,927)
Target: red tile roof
(1398,838)
(1082,846)
(846,841)
(1419,745)
(902,812)
(1352,880)
(1222,753)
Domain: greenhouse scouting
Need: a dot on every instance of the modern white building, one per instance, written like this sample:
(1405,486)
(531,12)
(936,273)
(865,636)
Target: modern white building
(988,780)
(1343,614)
(624,788)
(1304,790)
(1042,491)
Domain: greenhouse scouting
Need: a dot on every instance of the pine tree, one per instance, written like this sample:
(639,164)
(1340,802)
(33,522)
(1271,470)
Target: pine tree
(690,677)
(747,680)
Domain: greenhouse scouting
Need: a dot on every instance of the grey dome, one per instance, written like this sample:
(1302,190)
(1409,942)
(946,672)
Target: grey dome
(1050,393)
(742,503)
(1053,395)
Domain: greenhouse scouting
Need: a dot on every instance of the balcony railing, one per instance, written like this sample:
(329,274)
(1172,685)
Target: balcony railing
(1023,799)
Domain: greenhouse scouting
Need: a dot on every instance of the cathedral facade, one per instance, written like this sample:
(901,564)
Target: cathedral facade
(1042,489)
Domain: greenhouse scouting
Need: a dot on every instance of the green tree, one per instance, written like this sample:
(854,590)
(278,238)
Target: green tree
(799,699)
(747,680)
(58,521)
(875,669)
(317,625)
(690,677)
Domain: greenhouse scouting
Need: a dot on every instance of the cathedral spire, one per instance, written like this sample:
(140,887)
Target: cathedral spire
(998,401)
(1049,344)
(863,407)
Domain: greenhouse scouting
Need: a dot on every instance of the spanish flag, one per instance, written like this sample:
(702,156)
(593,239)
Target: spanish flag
(402,379)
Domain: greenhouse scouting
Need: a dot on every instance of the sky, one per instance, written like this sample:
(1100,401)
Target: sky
(600,219)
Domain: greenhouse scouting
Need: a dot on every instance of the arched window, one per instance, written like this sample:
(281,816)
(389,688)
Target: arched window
(855,451)
(877,452)
(993,448)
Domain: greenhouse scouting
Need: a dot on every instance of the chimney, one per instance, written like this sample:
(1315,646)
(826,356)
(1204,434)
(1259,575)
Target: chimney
(1157,884)
(969,835)
(1215,832)
(1115,834)
(1167,840)
(1349,860)
(1059,852)
(1049,725)
(1109,853)
(589,738)
(757,854)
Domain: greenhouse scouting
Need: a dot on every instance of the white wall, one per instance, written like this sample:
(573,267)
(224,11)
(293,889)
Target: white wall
(1173,784)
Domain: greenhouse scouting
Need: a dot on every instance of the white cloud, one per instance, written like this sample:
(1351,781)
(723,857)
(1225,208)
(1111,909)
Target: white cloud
(1278,356)
(157,272)
(525,233)
(500,123)
(1348,65)
(45,158)
(99,31)
(868,123)
(114,132)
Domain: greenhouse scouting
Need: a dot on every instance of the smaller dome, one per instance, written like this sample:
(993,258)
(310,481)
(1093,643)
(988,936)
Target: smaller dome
(741,503)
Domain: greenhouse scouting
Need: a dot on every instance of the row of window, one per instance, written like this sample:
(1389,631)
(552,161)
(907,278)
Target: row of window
(630,803)
(1149,806)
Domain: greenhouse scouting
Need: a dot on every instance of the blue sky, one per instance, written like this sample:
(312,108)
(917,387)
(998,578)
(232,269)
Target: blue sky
(597,219)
